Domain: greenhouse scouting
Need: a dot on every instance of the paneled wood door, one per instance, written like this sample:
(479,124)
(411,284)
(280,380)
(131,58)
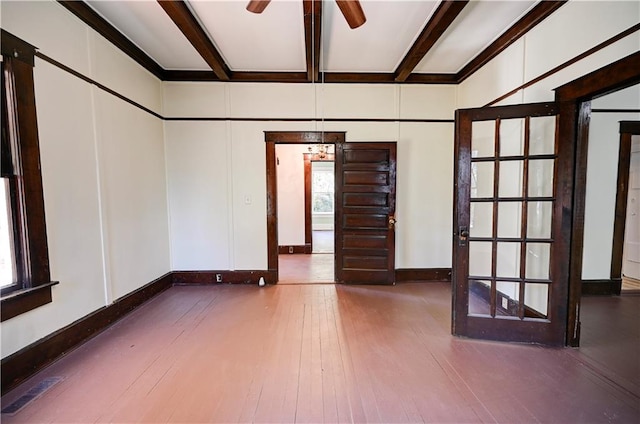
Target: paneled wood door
(365,213)
(511,250)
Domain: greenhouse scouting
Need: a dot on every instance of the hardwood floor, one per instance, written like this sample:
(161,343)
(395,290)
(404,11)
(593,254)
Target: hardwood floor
(328,353)
(323,241)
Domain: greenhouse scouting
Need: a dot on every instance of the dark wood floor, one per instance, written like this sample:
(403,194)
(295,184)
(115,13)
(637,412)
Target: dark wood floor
(333,353)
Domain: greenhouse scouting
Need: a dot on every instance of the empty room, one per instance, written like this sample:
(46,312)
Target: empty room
(254,211)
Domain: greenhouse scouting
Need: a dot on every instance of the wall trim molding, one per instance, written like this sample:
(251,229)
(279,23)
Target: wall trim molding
(21,365)
(568,63)
(583,55)
(234,277)
(295,249)
(24,363)
(405,275)
(604,287)
(484,292)
(125,99)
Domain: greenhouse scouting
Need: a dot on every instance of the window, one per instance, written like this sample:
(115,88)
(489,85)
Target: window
(322,187)
(24,260)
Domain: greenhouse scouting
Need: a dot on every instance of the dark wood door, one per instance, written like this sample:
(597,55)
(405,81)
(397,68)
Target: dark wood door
(365,213)
(511,224)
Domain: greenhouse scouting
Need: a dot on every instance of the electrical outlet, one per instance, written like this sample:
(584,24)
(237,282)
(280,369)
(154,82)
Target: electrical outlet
(290,249)
(218,278)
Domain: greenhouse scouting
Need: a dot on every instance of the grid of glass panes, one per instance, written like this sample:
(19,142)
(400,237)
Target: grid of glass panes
(322,187)
(511,207)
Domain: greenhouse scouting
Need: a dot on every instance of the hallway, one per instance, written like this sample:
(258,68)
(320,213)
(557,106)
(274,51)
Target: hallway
(315,268)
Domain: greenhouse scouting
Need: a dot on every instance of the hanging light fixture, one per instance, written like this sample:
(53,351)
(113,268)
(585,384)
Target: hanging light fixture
(319,149)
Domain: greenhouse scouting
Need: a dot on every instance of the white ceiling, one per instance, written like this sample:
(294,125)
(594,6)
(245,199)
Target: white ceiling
(274,40)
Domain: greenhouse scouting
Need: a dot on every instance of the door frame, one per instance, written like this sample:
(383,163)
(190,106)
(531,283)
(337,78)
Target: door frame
(309,158)
(627,130)
(575,113)
(272,138)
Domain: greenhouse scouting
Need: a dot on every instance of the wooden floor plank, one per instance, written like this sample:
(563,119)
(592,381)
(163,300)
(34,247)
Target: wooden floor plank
(333,353)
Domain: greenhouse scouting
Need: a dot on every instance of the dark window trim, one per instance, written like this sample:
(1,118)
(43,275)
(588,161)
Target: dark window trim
(33,287)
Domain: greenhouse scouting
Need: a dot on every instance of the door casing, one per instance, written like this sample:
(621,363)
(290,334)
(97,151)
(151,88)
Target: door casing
(285,137)
(575,111)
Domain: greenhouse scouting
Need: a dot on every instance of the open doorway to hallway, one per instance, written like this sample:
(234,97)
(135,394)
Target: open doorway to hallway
(305,192)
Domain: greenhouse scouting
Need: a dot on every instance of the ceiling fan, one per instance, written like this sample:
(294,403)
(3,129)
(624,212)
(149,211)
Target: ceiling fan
(351,10)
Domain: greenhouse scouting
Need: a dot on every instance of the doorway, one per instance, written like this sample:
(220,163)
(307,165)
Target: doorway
(305,193)
(295,265)
(364,218)
(625,261)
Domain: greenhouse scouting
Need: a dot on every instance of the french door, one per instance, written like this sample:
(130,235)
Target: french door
(365,213)
(511,244)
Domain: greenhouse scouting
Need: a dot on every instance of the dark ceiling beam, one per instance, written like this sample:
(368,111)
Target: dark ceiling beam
(312,33)
(190,27)
(269,76)
(385,78)
(444,15)
(536,15)
(89,16)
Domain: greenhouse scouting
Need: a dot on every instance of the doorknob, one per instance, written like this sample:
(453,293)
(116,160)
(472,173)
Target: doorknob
(463,235)
(392,222)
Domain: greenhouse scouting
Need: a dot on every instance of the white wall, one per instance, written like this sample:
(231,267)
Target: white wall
(424,155)
(574,28)
(290,181)
(103,171)
(602,180)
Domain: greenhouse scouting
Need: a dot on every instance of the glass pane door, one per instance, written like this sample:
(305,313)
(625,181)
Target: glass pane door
(506,200)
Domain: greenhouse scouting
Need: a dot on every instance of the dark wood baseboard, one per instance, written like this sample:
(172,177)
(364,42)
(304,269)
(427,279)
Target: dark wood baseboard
(601,287)
(484,292)
(295,249)
(405,275)
(233,277)
(22,364)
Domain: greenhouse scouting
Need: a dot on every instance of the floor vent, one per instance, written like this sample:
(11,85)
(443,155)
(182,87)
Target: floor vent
(31,395)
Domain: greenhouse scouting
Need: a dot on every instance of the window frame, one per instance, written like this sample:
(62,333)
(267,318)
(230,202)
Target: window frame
(314,192)
(20,132)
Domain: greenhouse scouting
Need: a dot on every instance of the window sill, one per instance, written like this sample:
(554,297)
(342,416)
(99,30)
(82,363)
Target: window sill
(21,301)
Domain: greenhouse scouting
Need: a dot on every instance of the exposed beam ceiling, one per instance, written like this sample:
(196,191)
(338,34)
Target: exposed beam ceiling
(182,16)
(530,20)
(188,24)
(104,28)
(444,16)
(312,34)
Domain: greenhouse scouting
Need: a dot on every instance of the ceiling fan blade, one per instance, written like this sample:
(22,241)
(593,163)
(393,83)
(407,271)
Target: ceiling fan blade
(352,11)
(257,6)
